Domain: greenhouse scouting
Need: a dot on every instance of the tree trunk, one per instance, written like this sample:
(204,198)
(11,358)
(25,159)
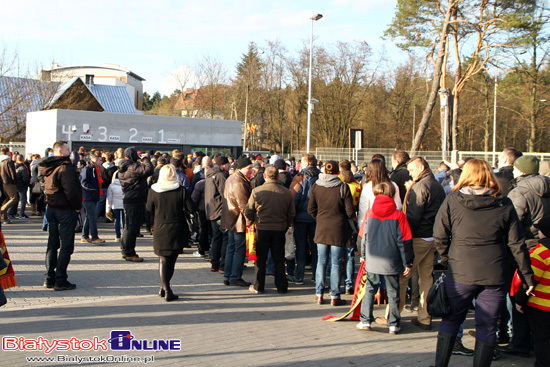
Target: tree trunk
(427,114)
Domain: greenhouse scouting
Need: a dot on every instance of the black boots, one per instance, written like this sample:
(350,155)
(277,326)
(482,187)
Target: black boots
(483,354)
(445,344)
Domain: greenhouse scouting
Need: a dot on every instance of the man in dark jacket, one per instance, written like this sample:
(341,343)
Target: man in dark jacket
(89,179)
(400,175)
(421,205)
(7,173)
(22,184)
(64,198)
(133,179)
(214,186)
(531,196)
(304,224)
(505,174)
(198,200)
(271,208)
(285,177)
(235,197)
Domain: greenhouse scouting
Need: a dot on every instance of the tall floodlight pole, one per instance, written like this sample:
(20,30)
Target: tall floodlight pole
(444,95)
(495,123)
(309,102)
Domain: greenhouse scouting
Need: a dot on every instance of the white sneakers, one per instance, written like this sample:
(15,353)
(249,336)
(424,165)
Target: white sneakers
(395,329)
(367,327)
(363,326)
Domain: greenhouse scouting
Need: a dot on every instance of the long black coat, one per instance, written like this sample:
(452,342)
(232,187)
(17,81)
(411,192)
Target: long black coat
(170,230)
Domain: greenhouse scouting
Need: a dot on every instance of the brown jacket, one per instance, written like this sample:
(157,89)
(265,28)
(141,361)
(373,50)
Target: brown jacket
(271,207)
(236,193)
(331,206)
(7,170)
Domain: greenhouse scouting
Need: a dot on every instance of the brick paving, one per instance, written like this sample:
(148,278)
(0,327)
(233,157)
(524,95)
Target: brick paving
(217,325)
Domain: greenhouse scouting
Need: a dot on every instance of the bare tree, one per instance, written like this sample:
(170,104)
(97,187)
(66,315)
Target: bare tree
(19,94)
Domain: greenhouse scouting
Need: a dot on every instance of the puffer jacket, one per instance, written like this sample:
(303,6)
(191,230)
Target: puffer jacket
(236,194)
(214,186)
(61,183)
(387,240)
(133,179)
(531,198)
(423,202)
(478,236)
(114,195)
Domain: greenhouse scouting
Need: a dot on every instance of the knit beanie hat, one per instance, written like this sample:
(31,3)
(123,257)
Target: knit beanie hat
(527,164)
(221,160)
(279,164)
(243,162)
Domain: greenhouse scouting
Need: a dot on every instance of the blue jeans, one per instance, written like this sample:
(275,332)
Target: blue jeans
(61,224)
(336,255)
(372,286)
(100,207)
(118,216)
(45,219)
(303,237)
(234,255)
(350,267)
(90,223)
(489,301)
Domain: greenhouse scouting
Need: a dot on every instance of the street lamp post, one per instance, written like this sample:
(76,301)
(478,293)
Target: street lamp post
(443,94)
(495,123)
(309,102)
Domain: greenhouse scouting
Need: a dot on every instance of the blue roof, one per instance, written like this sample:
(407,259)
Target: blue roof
(114,99)
(21,95)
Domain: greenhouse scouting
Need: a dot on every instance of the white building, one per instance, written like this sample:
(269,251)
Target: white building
(106,74)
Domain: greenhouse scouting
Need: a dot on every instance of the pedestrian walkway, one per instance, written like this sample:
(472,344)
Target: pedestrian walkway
(218,325)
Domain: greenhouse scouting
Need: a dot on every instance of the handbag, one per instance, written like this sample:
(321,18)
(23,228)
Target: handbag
(36,188)
(438,303)
(290,249)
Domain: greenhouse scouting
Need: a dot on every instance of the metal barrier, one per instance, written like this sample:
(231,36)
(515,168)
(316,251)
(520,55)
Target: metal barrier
(434,158)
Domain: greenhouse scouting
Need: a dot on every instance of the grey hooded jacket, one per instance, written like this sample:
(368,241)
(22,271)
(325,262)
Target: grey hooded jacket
(531,198)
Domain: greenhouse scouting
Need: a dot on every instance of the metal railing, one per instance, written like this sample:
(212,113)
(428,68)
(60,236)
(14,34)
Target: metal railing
(434,158)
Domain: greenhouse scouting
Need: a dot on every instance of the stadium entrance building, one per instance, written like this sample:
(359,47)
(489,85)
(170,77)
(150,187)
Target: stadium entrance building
(109,131)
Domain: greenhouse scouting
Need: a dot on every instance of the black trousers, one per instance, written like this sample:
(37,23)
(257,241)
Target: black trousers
(274,241)
(540,327)
(134,216)
(205,233)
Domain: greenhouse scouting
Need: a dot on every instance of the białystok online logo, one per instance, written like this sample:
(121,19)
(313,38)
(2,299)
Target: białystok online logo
(119,340)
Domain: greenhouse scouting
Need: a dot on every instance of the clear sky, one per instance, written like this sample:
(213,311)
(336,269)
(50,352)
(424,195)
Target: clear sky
(153,38)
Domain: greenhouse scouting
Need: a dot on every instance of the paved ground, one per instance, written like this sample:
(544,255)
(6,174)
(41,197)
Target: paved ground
(217,325)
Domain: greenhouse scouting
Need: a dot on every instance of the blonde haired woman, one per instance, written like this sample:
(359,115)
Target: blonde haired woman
(167,204)
(475,231)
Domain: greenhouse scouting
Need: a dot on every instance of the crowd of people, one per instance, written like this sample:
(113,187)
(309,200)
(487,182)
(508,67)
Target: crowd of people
(486,227)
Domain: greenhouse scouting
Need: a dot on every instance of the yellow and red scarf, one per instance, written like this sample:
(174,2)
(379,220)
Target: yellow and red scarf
(7,275)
